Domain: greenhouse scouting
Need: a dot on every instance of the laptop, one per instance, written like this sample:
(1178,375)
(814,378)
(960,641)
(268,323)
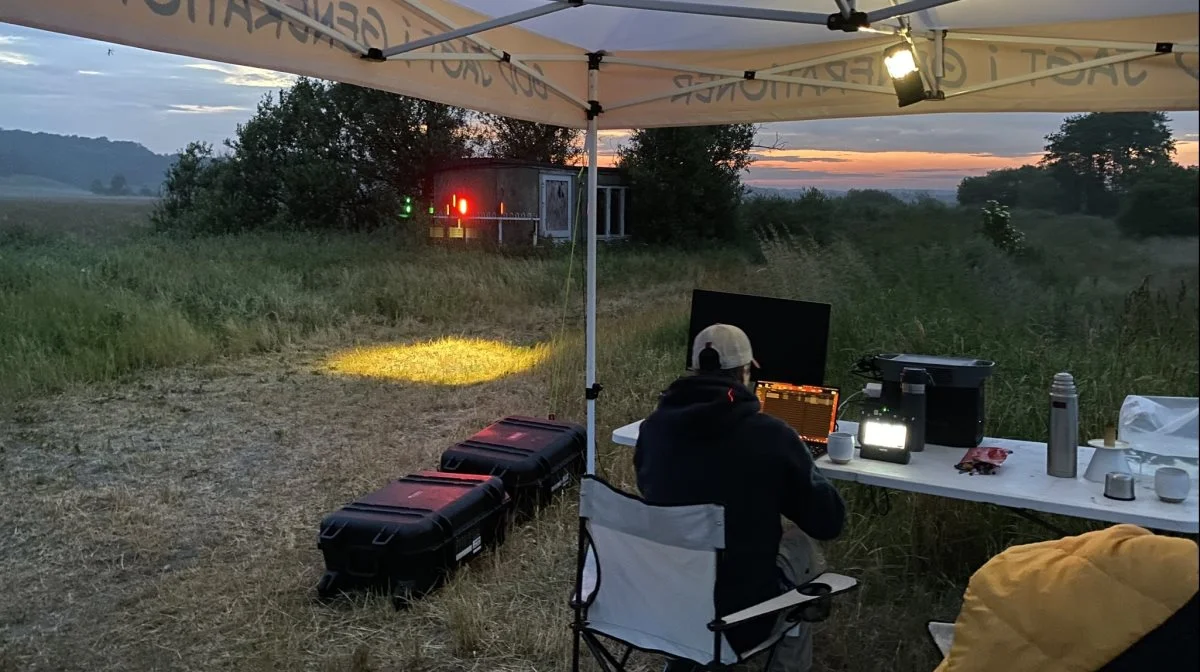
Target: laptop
(811,410)
(790,340)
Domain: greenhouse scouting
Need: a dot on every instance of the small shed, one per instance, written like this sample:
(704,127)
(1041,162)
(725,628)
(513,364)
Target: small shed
(520,202)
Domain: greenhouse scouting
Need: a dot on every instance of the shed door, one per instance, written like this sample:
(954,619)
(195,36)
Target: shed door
(556,206)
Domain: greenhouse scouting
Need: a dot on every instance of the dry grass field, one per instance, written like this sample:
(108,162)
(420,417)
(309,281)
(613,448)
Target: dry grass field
(177,416)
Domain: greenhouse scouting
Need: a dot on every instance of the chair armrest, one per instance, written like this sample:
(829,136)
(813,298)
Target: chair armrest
(837,584)
(942,635)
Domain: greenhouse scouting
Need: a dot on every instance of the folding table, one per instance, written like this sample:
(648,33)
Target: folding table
(1021,483)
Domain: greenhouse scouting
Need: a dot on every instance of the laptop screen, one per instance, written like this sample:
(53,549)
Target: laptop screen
(790,338)
(811,411)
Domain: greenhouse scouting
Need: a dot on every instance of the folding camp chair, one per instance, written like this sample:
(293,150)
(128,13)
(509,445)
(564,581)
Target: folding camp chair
(646,579)
(942,635)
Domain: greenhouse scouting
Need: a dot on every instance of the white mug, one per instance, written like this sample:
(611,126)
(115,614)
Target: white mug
(1172,484)
(840,447)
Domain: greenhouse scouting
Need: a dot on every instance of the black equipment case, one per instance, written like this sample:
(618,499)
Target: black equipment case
(407,536)
(535,458)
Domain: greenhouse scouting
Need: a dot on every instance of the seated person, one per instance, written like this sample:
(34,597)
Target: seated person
(707,443)
(1119,599)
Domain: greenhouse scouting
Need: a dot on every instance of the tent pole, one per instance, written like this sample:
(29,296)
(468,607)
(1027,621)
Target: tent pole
(447,36)
(905,8)
(499,54)
(872,50)
(699,9)
(297,17)
(1052,72)
(1066,42)
(939,60)
(590,327)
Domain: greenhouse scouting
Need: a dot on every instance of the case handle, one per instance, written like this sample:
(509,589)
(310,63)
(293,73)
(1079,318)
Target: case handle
(332,531)
(386,540)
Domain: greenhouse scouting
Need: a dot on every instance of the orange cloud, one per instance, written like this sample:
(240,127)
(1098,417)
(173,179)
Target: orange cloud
(1187,152)
(854,163)
(793,168)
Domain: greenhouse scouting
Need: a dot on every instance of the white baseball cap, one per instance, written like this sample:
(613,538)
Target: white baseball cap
(731,344)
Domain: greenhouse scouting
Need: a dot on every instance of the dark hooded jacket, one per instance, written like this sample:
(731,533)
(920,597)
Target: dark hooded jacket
(707,442)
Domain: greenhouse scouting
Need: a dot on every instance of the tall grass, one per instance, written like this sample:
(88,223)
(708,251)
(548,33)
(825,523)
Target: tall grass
(1121,316)
(74,309)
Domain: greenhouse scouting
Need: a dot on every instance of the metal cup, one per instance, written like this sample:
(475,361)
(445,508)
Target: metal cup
(1119,485)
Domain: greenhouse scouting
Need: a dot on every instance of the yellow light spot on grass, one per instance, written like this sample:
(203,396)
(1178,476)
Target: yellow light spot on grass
(447,361)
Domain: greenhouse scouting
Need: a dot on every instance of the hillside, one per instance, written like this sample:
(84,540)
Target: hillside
(80,162)
(29,186)
(906,195)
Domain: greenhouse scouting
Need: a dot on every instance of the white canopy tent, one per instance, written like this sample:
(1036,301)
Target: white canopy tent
(616,64)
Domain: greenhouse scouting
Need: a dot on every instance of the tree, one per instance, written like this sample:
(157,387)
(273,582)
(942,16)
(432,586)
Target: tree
(508,138)
(320,156)
(118,186)
(97,187)
(687,182)
(1162,201)
(1093,156)
(1025,187)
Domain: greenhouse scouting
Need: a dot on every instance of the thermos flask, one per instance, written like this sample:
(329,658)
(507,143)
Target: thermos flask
(912,406)
(1062,450)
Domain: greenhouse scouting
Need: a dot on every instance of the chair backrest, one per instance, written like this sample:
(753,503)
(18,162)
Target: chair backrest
(651,572)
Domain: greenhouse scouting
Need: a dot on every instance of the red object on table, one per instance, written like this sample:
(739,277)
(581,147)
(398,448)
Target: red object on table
(983,460)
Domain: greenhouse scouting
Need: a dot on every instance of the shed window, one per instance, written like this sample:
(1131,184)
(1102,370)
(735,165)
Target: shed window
(612,205)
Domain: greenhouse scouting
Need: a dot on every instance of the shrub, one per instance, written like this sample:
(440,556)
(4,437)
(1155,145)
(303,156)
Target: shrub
(999,230)
(1161,202)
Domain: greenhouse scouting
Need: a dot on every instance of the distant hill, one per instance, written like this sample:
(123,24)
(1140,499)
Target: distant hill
(81,162)
(30,186)
(908,195)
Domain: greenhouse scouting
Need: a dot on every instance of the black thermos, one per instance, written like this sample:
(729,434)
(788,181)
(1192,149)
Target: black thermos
(912,406)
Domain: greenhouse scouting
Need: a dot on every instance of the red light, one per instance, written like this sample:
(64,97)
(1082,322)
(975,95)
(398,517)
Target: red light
(462,206)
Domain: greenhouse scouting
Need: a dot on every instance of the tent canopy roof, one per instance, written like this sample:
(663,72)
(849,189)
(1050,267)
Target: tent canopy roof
(607,28)
(674,63)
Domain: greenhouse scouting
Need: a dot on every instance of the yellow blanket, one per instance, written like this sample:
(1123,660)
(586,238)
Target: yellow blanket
(1073,604)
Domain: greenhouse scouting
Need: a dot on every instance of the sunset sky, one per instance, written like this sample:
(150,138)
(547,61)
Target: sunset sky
(60,84)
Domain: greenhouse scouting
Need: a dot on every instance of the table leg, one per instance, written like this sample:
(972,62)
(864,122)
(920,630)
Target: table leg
(1038,520)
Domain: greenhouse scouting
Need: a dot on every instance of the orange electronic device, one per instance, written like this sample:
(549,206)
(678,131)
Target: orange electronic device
(808,409)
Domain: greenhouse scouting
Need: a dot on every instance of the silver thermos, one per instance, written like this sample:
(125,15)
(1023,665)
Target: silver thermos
(1062,450)
(912,406)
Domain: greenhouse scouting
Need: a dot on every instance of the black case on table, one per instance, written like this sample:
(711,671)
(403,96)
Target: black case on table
(409,535)
(535,458)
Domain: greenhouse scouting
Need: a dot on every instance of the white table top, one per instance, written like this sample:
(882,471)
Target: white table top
(1021,483)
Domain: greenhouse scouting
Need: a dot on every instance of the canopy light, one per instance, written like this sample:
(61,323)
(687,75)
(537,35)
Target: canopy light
(901,64)
(462,207)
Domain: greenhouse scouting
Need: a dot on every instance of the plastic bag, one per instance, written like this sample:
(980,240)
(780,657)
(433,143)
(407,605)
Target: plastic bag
(1162,431)
(983,460)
